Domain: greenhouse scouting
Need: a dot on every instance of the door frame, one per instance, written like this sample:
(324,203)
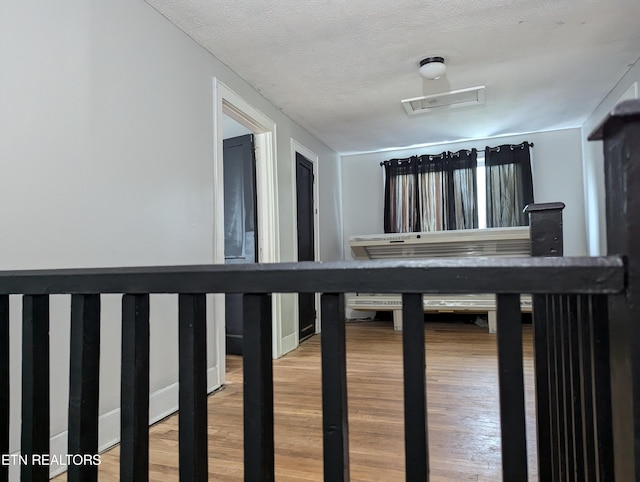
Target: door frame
(297,147)
(226,101)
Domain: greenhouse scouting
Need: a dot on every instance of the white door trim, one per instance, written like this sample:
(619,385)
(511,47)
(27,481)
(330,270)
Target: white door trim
(226,101)
(313,157)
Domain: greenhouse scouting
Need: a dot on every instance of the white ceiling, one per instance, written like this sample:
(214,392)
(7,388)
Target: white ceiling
(340,67)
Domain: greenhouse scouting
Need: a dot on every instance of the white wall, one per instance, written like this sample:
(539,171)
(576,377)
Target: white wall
(557,176)
(106,125)
(593,160)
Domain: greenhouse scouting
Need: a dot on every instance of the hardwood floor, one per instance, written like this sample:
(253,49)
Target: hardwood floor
(463,411)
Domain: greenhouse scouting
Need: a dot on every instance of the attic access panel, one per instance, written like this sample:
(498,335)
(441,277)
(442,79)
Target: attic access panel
(445,100)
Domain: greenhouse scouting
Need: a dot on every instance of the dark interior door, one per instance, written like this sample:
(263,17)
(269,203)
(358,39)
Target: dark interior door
(304,190)
(240,224)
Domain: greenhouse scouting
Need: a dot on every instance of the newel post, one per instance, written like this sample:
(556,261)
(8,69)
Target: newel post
(545,221)
(620,132)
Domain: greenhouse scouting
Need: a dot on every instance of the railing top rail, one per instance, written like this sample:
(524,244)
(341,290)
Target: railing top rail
(448,275)
(529,208)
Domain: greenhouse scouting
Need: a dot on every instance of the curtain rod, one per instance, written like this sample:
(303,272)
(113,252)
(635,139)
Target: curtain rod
(491,149)
(497,148)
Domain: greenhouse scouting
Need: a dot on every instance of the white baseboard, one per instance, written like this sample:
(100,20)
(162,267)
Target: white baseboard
(214,380)
(289,343)
(162,403)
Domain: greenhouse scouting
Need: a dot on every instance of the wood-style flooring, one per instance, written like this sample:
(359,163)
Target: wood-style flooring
(463,410)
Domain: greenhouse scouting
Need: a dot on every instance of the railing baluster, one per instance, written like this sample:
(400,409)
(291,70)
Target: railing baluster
(576,389)
(35,386)
(84,377)
(334,389)
(553,391)
(415,402)
(192,421)
(558,392)
(585,329)
(542,383)
(602,384)
(4,384)
(134,392)
(551,461)
(511,376)
(567,408)
(258,389)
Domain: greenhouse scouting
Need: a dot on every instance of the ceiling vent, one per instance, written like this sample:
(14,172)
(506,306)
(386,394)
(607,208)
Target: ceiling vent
(446,100)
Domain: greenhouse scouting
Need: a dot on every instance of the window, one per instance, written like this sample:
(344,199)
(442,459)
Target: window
(459,190)
(481,180)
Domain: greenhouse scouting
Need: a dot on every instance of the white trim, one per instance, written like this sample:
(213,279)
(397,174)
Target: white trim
(162,403)
(226,101)
(631,93)
(290,342)
(313,158)
(218,301)
(341,209)
(214,380)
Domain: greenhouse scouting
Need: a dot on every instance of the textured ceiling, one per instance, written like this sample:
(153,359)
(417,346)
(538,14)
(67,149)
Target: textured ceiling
(340,67)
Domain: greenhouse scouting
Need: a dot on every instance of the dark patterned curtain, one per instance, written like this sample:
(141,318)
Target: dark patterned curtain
(400,196)
(509,184)
(447,191)
(431,193)
(465,189)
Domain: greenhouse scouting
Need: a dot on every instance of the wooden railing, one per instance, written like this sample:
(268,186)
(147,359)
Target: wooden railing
(576,407)
(573,393)
(507,277)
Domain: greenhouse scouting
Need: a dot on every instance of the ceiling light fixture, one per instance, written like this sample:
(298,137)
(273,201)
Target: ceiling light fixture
(432,68)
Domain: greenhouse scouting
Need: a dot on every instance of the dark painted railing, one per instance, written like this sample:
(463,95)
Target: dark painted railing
(508,277)
(621,136)
(587,346)
(571,299)
(573,395)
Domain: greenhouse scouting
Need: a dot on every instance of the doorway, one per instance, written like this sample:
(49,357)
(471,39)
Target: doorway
(306,245)
(228,103)
(240,225)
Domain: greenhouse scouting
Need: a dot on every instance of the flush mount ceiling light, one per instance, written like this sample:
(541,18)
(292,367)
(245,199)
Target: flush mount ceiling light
(432,68)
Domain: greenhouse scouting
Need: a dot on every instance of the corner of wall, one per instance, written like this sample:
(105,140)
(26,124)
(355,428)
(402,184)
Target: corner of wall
(593,160)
